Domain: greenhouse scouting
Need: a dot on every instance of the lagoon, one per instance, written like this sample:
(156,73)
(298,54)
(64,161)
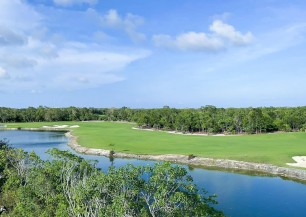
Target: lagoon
(238,194)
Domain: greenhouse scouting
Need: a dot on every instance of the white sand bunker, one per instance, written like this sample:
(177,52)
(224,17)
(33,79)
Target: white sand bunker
(181,133)
(61,126)
(300,161)
(74,126)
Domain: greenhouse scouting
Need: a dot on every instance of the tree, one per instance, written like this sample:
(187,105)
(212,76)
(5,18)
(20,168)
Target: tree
(68,185)
(169,191)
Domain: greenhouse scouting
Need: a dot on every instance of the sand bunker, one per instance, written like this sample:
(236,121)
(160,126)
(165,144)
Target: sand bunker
(136,128)
(74,126)
(300,161)
(181,133)
(61,126)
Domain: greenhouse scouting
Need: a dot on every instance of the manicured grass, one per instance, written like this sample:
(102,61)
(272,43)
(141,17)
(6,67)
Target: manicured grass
(275,148)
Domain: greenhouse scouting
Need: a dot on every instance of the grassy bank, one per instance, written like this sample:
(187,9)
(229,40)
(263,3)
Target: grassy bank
(275,148)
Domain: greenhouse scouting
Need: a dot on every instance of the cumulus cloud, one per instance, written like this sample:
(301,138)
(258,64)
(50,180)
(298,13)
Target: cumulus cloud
(221,36)
(128,24)
(229,32)
(74,2)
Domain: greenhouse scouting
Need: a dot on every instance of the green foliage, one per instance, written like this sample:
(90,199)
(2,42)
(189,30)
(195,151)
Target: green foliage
(71,186)
(170,192)
(111,153)
(191,156)
(207,119)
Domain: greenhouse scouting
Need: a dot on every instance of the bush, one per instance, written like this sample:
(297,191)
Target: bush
(68,185)
(191,156)
(111,153)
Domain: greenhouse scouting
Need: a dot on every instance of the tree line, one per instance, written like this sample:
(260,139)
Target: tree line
(68,185)
(207,119)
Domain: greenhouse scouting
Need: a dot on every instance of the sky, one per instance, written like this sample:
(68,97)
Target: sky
(152,53)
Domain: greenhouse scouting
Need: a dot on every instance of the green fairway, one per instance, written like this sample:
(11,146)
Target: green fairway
(275,148)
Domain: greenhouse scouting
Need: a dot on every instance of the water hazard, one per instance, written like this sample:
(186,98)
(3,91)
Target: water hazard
(238,194)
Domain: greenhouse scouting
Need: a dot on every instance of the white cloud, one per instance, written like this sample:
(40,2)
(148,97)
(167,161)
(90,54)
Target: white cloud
(74,2)
(18,15)
(190,41)
(229,32)
(222,36)
(75,66)
(128,24)
(266,45)
(89,66)
(270,42)
(3,74)
(112,19)
(46,60)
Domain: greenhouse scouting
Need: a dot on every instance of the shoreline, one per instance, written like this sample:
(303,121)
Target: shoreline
(284,172)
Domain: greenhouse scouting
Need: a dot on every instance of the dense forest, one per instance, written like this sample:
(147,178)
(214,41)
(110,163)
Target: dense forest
(207,119)
(68,185)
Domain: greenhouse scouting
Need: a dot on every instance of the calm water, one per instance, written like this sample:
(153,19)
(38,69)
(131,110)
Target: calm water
(238,195)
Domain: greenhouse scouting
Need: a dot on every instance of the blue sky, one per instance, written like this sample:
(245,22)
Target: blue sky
(144,54)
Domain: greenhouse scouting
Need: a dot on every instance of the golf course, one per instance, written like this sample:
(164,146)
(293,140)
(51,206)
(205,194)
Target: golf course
(274,148)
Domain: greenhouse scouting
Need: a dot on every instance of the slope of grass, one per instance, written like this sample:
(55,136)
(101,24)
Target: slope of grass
(275,148)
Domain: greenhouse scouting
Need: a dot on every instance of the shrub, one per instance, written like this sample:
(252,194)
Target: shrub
(191,156)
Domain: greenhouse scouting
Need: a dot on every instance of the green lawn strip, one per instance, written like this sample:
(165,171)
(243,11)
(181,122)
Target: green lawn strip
(276,149)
